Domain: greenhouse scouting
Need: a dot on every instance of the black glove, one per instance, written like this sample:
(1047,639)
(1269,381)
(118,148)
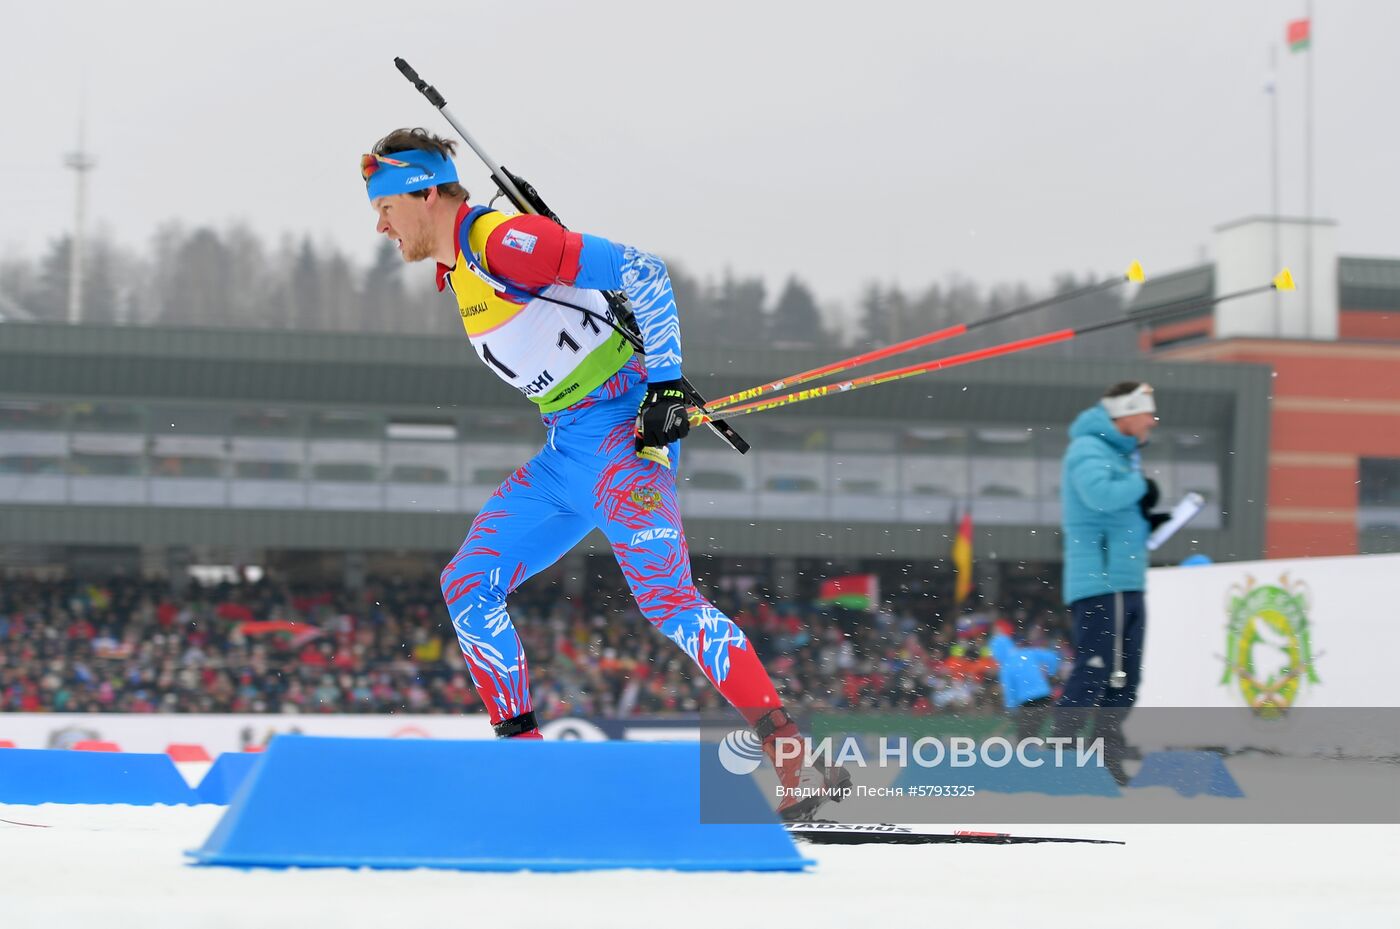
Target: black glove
(1150,497)
(662,418)
(1148,501)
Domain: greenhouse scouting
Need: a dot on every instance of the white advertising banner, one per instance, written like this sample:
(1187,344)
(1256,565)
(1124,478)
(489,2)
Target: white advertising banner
(1306,632)
(224,732)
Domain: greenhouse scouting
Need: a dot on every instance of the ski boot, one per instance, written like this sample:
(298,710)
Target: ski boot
(806,787)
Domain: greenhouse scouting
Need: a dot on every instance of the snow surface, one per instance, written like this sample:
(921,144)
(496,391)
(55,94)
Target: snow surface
(122,866)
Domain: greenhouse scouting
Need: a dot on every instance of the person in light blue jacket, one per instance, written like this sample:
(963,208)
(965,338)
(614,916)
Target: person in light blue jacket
(1025,675)
(1106,518)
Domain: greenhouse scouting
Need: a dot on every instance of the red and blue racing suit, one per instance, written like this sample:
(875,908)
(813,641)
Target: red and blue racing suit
(588,384)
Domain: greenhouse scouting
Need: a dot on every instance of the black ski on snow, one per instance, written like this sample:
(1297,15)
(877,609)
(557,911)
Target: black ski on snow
(832,833)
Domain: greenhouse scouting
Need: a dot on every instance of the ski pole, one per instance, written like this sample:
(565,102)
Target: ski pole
(1134,273)
(1282,281)
(525,198)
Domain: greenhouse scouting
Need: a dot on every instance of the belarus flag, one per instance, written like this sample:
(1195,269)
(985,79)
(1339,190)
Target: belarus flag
(1299,34)
(854,591)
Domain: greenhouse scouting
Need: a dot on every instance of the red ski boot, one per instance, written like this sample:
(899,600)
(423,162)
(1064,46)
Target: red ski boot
(805,786)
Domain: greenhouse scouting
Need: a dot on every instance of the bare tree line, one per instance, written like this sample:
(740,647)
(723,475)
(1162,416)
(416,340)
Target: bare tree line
(233,278)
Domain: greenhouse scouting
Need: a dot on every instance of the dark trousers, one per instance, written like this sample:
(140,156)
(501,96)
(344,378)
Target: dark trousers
(1031,716)
(1107,633)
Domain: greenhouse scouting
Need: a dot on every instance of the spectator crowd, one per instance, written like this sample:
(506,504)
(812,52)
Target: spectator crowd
(137,646)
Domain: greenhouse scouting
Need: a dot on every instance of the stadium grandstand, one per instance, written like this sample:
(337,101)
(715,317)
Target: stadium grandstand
(166,494)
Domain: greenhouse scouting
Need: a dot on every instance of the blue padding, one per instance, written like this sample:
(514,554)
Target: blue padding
(485,806)
(1067,780)
(1188,773)
(65,776)
(226,775)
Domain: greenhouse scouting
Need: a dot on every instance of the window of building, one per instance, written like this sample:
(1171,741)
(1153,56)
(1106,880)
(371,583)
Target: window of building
(1004,443)
(419,474)
(715,480)
(188,420)
(279,423)
(1378,516)
(934,440)
(491,475)
(108,417)
(31,464)
(349,471)
(487,426)
(1379,539)
(791,484)
(186,466)
(860,486)
(267,470)
(31,415)
(787,436)
(97,464)
(864,440)
(423,430)
(1380,482)
(1196,446)
(866,475)
(932,490)
(345,424)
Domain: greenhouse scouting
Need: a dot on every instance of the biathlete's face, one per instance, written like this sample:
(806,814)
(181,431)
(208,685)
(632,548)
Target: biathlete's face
(405,219)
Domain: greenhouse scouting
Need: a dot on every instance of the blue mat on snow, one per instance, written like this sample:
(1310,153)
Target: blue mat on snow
(54,775)
(1188,773)
(490,806)
(225,776)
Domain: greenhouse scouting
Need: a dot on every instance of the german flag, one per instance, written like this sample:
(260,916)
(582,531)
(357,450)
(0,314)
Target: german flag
(962,559)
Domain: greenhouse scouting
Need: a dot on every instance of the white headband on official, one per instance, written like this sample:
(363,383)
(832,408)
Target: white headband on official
(1139,401)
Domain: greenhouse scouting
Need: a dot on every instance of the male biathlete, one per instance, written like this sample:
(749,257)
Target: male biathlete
(530,296)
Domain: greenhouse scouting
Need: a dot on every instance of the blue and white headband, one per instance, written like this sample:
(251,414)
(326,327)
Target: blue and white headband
(405,172)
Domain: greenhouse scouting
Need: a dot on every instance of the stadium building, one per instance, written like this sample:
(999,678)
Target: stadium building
(334,456)
(1334,351)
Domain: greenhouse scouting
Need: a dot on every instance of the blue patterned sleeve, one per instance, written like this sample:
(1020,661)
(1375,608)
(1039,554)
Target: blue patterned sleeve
(604,265)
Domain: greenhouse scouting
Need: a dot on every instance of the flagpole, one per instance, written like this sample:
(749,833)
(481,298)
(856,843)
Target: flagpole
(1273,164)
(1273,168)
(1309,273)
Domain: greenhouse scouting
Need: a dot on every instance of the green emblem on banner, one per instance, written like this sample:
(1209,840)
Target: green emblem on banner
(1268,650)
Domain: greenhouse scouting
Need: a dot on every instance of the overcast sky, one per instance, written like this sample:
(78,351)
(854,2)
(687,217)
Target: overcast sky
(839,141)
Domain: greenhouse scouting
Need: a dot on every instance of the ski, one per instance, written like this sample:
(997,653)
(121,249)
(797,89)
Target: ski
(832,833)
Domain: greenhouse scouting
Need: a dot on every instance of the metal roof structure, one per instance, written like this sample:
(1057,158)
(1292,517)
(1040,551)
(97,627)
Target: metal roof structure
(424,378)
(1362,284)
(1197,283)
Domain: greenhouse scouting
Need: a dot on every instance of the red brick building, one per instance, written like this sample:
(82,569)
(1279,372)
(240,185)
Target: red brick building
(1334,447)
